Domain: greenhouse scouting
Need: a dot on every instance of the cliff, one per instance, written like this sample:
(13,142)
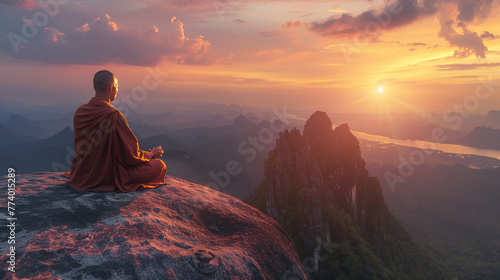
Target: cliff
(317,187)
(178,231)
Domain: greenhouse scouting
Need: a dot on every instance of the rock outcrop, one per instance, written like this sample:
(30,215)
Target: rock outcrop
(317,186)
(178,231)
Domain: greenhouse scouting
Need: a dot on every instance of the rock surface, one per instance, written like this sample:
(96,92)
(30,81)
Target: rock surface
(178,231)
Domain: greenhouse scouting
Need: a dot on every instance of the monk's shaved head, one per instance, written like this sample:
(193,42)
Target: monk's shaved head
(102,80)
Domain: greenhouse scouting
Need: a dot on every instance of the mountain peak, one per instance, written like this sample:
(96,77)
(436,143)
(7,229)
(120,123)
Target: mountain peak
(241,120)
(344,127)
(65,136)
(18,118)
(25,126)
(66,130)
(317,186)
(482,137)
(317,126)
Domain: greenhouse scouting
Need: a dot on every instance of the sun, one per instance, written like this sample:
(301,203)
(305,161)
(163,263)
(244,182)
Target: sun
(380,91)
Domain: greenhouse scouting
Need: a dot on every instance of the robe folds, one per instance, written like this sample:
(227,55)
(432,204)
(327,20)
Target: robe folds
(107,154)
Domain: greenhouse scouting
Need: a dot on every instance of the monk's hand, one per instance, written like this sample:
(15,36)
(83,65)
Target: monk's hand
(156,152)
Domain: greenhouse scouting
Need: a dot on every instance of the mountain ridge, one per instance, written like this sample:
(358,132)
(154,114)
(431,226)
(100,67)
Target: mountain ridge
(483,138)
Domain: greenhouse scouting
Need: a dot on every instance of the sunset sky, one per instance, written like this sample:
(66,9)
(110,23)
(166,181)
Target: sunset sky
(345,56)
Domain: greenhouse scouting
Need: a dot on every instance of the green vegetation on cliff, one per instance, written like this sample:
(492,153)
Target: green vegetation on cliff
(317,187)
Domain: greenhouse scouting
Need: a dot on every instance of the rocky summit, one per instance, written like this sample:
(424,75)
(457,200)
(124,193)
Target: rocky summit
(317,187)
(179,230)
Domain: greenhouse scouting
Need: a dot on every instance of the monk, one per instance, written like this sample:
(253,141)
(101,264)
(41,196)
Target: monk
(107,154)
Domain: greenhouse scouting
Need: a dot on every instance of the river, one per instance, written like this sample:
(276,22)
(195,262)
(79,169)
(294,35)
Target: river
(447,148)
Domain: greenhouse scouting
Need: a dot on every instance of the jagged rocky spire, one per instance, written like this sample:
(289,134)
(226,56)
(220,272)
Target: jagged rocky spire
(317,186)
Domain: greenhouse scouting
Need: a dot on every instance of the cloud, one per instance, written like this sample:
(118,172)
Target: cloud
(470,10)
(371,22)
(413,46)
(294,24)
(452,15)
(488,35)
(104,41)
(337,10)
(220,4)
(468,42)
(448,67)
(286,28)
(182,3)
(417,44)
(23,4)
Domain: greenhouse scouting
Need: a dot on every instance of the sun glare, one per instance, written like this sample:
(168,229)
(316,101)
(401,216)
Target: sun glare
(380,90)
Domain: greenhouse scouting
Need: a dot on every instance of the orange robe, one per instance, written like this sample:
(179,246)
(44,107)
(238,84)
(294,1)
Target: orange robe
(107,154)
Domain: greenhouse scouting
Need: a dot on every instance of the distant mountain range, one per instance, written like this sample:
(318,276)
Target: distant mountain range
(10,137)
(50,154)
(41,128)
(192,153)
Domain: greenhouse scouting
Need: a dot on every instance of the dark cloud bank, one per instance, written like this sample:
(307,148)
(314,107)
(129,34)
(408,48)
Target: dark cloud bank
(453,16)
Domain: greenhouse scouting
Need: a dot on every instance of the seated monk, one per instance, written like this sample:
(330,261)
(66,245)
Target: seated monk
(107,154)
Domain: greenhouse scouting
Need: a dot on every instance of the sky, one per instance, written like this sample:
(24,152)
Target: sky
(337,56)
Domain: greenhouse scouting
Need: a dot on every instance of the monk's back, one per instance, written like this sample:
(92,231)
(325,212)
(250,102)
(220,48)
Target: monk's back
(92,164)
